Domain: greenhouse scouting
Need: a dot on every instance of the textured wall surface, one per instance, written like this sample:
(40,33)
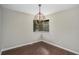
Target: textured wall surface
(64,29)
(0,28)
(17,28)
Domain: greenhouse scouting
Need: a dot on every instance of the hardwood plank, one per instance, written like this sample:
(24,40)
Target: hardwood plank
(39,48)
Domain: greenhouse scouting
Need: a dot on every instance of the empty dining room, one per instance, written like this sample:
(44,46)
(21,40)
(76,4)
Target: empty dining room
(39,29)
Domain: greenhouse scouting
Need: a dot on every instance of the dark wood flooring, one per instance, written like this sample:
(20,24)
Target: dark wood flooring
(39,48)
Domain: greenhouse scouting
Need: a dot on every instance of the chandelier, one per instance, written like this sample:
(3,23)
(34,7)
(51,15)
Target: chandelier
(40,23)
(39,15)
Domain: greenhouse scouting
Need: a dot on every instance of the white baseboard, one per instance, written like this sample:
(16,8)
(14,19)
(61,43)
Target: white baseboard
(49,42)
(19,45)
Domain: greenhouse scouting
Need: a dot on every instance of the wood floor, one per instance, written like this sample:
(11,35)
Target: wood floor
(39,48)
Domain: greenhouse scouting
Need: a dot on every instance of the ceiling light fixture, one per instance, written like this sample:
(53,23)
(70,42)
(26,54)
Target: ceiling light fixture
(39,15)
(40,23)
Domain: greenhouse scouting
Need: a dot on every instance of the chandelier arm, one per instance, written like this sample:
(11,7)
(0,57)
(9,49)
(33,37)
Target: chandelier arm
(39,16)
(39,11)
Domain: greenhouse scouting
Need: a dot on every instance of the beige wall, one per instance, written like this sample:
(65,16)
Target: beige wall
(0,28)
(17,28)
(64,29)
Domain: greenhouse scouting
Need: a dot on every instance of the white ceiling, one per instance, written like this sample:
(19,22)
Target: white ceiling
(33,8)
